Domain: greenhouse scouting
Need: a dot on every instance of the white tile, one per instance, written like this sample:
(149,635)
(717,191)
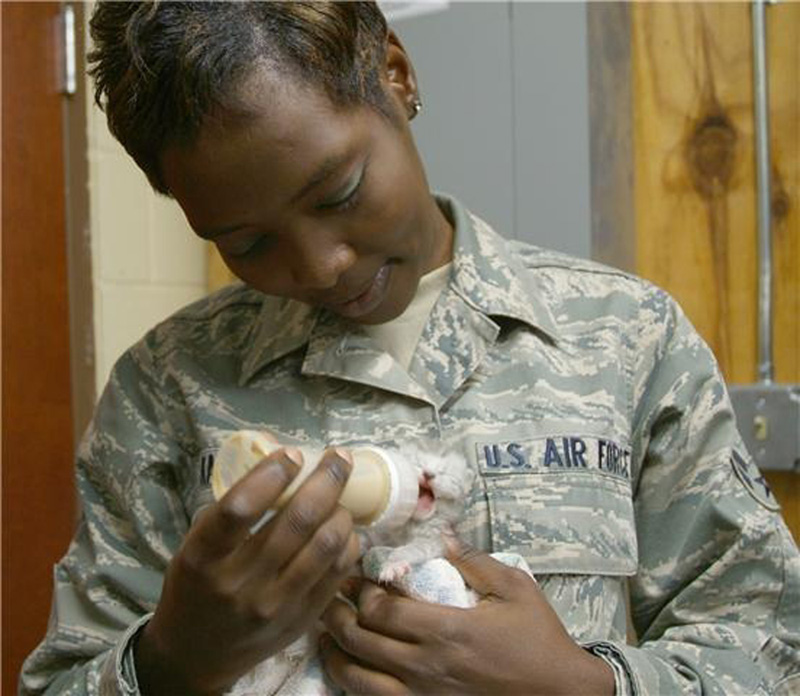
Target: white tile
(127,312)
(178,254)
(94,215)
(98,135)
(101,370)
(93,112)
(103,140)
(91,118)
(121,219)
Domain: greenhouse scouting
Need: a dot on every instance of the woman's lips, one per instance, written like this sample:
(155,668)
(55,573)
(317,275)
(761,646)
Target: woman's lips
(369,299)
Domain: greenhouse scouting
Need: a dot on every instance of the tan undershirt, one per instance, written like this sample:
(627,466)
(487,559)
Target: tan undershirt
(399,336)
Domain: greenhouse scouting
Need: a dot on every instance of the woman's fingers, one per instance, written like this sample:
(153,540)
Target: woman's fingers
(323,593)
(329,556)
(380,652)
(274,545)
(355,678)
(402,618)
(488,576)
(222,527)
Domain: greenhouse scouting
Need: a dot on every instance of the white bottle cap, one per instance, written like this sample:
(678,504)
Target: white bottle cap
(403,488)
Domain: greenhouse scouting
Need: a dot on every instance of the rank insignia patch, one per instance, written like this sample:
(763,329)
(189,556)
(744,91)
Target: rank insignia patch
(753,480)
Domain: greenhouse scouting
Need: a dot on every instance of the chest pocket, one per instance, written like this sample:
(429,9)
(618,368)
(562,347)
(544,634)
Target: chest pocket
(564,522)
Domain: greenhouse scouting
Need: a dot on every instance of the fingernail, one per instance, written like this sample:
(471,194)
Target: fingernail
(291,462)
(340,465)
(295,455)
(344,454)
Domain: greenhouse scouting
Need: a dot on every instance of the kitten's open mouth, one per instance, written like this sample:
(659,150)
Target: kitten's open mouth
(426,502)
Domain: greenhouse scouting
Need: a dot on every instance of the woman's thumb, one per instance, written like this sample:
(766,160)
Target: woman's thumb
(481,572)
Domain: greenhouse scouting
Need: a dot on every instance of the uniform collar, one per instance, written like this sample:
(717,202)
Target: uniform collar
(489,276)
(282,327)
(486,275)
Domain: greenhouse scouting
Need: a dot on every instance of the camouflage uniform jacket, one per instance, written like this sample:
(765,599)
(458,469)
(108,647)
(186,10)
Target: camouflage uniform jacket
(597,419)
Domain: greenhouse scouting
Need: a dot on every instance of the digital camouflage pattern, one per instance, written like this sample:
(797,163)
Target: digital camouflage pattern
(605,441)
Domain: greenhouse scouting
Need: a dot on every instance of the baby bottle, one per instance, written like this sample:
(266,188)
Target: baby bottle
(382,490)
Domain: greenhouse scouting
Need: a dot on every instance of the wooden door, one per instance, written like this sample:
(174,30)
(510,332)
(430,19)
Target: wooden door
(37,485)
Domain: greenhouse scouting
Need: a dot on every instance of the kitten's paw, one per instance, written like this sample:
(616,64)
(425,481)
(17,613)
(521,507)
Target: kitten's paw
(393,571)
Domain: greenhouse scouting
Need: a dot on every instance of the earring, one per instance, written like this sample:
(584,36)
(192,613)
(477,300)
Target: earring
(416,107)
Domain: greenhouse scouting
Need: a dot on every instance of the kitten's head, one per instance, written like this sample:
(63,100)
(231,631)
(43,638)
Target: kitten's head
(445,479)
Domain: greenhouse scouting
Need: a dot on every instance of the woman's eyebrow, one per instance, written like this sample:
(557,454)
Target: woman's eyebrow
(329,166)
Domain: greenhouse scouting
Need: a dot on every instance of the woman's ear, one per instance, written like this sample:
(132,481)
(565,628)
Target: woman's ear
(401,80)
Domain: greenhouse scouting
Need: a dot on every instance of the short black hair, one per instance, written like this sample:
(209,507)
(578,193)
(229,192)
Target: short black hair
(161,68)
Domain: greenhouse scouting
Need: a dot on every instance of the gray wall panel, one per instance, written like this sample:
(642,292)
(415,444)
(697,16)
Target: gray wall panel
(551,125)
(505,121)
(462,57)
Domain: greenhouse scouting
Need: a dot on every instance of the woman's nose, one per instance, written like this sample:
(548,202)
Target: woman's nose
(319,260)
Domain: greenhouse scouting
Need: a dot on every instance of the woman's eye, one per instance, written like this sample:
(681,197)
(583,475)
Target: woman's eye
(349,198)
(246,248)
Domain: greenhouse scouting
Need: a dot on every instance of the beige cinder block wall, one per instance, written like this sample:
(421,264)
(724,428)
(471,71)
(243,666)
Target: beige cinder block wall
(146,262)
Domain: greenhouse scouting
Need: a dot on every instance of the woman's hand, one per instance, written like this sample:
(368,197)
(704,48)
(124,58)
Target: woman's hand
(512,642)
(231,598)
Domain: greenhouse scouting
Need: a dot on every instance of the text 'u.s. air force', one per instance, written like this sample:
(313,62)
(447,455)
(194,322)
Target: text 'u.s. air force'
(562,453)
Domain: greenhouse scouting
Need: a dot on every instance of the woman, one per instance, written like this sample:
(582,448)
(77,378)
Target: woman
(372,310)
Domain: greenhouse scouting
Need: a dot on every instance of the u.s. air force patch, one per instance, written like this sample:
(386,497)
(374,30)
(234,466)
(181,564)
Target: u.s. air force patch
(753,480)
(556,454)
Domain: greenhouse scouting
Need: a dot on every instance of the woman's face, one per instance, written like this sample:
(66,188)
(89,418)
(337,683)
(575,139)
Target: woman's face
(321,204)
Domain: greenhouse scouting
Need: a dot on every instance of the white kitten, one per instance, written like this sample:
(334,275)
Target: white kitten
(445,480)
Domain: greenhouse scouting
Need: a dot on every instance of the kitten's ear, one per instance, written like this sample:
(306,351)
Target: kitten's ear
(411,455)
(430,448)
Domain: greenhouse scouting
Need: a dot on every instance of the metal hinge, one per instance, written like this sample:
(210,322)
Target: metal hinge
(68,78)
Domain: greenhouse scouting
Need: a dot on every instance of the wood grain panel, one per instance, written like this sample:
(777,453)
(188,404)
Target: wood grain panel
(37,488)
(783,27)
(694,169)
